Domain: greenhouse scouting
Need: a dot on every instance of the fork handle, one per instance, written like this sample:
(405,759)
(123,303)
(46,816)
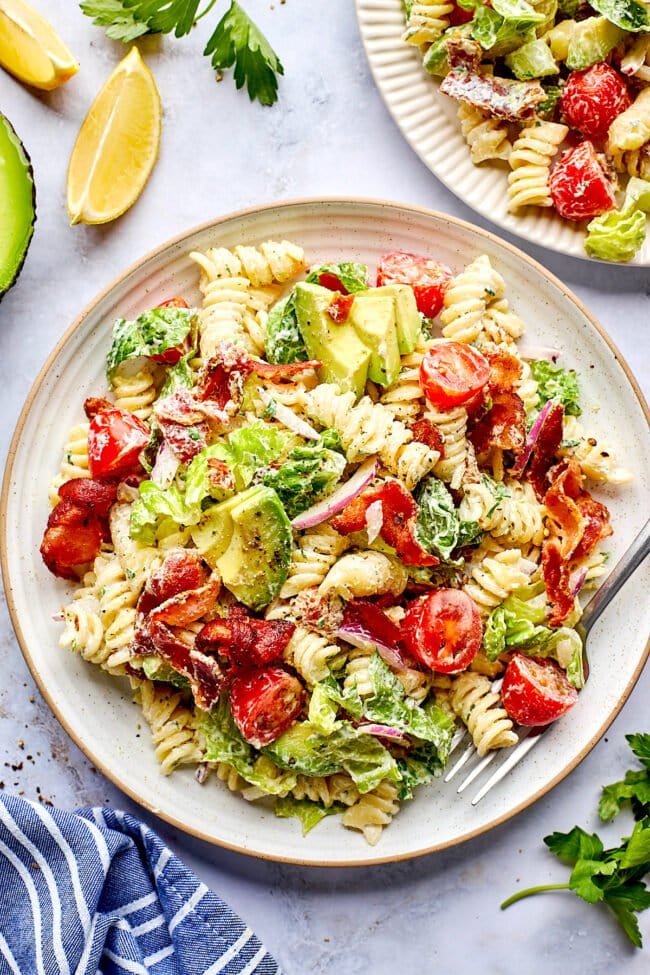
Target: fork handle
(621,572)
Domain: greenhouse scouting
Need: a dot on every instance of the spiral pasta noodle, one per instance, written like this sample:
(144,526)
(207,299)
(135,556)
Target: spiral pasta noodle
(84,632)
(634,162)
(515,518)
(467,298)
(597,459)
(369,428)
(366,573)
(631,129)
(373,811)
(494,578)
(486,137)
(311,654)
(75,460)
(135,392)
(426,21)
(326,790)
(315,552)
(530,162)
(452,425)
(479,708)
(173,729)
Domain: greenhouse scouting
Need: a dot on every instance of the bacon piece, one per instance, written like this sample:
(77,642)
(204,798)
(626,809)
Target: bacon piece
(221,379)
(181,571)
(501,97)
(425,431)
(463,52)
(557,580)
(503,426)
(186,607)
(89,493)
(597,525)
(270,370)
(72,537)
(399,522)
(179,407)
(96,404)
(560,501)
(220,474)
(505,370)
(185,441)
(203,672)
(544,450)
(242,641)
(340,306)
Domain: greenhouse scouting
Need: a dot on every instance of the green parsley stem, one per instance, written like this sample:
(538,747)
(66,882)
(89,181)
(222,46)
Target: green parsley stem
(532,890)
(206,11)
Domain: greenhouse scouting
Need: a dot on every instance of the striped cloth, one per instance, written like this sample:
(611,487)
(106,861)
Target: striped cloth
(99,893)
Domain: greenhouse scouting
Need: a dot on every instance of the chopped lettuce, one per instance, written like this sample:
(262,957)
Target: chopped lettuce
(303,749)
(308,812)
(569,7)
(420,766)
(618,234)
(627,14)
(353,277)
(438,527)
(518,624)
(179,376)
(504,24)
(322,710)
(556,383)
(436,63)
(157,669)
(250,448)
(547,108)
(199,489)
(308,473)
(223,743)
(283,342)
(154,505)
(152,333)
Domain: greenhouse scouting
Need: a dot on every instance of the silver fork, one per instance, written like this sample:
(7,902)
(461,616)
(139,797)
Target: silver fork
(529,737)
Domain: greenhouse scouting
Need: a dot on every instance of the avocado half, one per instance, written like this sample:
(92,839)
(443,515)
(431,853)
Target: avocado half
(17,204)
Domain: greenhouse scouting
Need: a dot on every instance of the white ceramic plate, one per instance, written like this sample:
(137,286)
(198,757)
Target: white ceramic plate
(96,710)
(428,121)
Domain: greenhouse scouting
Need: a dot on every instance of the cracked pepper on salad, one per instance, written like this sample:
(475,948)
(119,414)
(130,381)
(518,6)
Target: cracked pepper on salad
(313,520)
(559,89)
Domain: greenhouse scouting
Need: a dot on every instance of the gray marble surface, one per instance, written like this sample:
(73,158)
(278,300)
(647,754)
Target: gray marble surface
(329,134)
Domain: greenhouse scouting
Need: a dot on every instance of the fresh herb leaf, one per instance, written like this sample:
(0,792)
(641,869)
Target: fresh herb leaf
(121,21)
(353,277)
(546,109)
(283,342)
(640,745)
(556,383)
(634,788)
(498,490)
(438,526)
(237,42)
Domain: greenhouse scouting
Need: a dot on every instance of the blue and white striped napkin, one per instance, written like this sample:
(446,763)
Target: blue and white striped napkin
(98,893)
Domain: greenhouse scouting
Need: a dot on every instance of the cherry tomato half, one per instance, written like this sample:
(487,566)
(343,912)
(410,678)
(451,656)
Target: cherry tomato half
(115,439)
(265,703)
(536,691)
(428,278)
(443,630)
(451,374)
(171,356)
(579,186)
(592,99)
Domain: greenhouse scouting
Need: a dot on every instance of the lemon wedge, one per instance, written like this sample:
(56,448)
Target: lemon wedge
(117,145)
(30,48)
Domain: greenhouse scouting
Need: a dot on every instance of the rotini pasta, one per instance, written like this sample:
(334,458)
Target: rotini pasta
(512,514)
(135,391)
(373,811)
(530,162)
(426,21)
(311,654)
(75,460)
(597,460)
(479,708)
(631,129)
(467,298)
(452,425)
(172,725)
(314,554)
(359,574)
(494,578)
(486,137)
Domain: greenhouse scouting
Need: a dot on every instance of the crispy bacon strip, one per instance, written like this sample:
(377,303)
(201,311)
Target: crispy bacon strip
(597,525)
(545,448)
(566,520)
(503,426)
(185,441)
(91,494)
(270,370)
(242,641)
(72,537)
(203,672)
(505,370)
(96,404)
(426,432)
(220,474)
(558,586)
(179,407)
(501,97)
(181,571)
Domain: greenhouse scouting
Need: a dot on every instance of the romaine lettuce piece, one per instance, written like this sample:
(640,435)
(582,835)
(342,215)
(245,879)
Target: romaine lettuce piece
(155,668)
(199,489)
(420,766)
(353,277)
(503,25)
(283,342)
(309,813)
(252,447)
(557,383)
(616,236)
(627,14)
(439,528)
(154,505)
(152,333)
(308,473)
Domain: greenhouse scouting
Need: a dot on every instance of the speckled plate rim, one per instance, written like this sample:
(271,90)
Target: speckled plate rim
(171,244)
(530,225)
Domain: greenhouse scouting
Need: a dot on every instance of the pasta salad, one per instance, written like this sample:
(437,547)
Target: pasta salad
(314,519)
(559,91)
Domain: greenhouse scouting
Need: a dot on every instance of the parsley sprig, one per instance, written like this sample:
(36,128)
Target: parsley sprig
(236,41)
(615,876)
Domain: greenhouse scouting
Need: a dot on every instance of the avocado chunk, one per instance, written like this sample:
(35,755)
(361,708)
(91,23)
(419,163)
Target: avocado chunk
(407,317)
(344,356)
(532,60)
(373,317)
(303,749)
(592,41)
(17,204)
(248,539)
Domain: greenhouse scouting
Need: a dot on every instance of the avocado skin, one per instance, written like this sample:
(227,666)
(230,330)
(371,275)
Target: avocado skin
(9,272)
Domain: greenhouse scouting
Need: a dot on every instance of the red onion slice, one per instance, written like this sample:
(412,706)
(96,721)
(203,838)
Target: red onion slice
(393,656)
(577,581)
(374,520)
(533,352)
(288,418)
(344,494)
(384,731)
(522,460)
